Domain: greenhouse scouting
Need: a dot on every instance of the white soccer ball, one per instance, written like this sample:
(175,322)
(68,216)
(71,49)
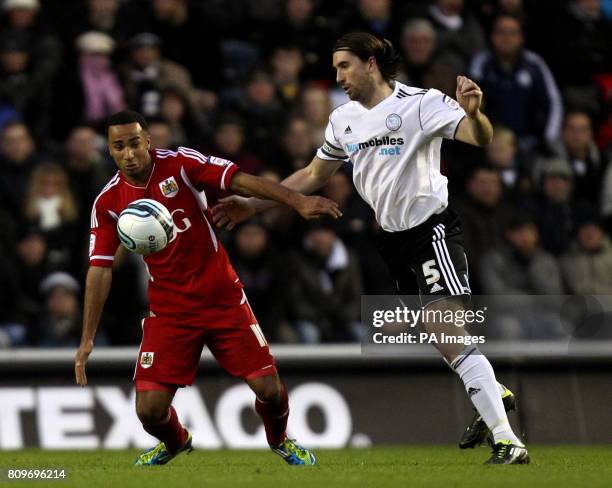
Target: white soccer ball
(145,226)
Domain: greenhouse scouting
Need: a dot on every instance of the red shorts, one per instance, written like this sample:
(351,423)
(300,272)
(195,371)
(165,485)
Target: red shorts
(171,347)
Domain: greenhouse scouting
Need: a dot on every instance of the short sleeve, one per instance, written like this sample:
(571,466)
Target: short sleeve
(206,171)
(440,114)
(331,150)
(103,239)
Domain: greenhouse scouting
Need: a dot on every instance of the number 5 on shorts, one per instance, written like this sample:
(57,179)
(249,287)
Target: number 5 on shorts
(430,273)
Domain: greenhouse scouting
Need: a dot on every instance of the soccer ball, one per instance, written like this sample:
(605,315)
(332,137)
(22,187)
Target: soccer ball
(145,226)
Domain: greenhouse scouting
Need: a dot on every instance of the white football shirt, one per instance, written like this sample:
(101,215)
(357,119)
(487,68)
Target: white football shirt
(395,151)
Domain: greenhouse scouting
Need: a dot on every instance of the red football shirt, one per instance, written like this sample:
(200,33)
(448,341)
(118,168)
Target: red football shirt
(193,271)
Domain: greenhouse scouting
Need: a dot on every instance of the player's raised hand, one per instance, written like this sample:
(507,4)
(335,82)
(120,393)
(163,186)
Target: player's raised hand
(469,95)
(80,361)
(230,211)
(312,207)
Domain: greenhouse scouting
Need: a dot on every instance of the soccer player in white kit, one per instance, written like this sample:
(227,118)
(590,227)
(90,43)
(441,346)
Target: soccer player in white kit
(392,134)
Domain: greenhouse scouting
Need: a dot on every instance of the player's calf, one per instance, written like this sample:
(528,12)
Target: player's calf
(272,405)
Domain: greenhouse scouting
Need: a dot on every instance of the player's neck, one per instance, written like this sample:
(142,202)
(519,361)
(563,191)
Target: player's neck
(379,92)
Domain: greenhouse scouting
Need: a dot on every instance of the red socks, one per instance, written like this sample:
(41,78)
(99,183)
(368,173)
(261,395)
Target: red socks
(170,432)
(274,416)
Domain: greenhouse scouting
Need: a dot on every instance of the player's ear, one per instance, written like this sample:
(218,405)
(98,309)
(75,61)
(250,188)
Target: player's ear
(371,63)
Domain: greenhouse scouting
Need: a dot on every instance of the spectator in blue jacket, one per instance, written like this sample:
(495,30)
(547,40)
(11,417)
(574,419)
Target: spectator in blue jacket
(521,92)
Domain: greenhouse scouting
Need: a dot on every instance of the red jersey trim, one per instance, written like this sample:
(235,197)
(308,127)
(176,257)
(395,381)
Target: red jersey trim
(227,176)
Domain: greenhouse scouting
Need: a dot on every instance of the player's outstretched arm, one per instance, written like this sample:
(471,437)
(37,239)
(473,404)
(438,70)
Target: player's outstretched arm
(475,129)
(97,286)
(233,210)
(308,207)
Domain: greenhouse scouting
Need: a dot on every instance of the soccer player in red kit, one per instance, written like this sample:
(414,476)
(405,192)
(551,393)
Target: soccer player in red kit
(195,296)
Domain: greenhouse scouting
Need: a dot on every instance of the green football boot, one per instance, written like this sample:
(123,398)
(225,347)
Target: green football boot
(160,455)
(294,454)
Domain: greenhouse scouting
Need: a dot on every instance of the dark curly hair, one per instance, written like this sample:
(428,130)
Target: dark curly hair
(365,45)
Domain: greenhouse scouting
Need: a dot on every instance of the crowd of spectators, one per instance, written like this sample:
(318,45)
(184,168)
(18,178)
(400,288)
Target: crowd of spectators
(253,82)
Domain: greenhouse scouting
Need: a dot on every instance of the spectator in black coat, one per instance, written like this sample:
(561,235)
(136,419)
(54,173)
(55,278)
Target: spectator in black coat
(17,160)
(324,292)
(553,207)
(578,147)
(264,276)
(22,85)
(484,215)
(582,49)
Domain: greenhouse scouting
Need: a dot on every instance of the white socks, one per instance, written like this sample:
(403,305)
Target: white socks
(485,392)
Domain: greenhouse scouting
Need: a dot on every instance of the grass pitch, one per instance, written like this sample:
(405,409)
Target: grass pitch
(407,466)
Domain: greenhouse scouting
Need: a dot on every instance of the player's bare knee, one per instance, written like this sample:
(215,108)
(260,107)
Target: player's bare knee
(267,388)
(151,411)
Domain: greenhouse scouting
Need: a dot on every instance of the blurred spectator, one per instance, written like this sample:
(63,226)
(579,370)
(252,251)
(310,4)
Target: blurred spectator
(287,63)
(356,214)
(229,143)
(375,16)
(587,267)
(316,107)
(102,16)
(297,148)
(21,86)
(488,10)
(147,74)
(583,48)
(92,92)
(86,168)
(261,271)
(521,92)
(262,111)
(458,32)
(518,270)
(280,222)
(50,205)
(520,265)
(324,293)
(60,322)
(112,17)
(300,26)
(25,17)
(182,27)
(357,228)
(17,159)
(553,206)
(502,154)
(161,134)
(578,147)
(31,265)
(420,67)
(484,215)
(187,125)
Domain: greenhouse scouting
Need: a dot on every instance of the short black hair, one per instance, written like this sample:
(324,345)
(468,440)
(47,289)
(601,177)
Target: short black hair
(365,45)
(126,117)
